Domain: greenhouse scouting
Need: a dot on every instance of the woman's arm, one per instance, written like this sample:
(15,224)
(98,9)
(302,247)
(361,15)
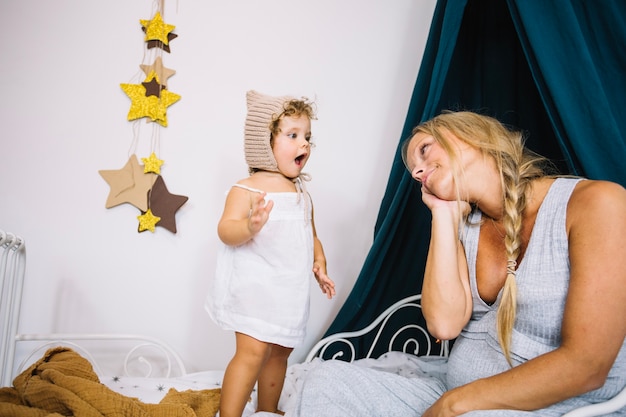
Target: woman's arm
(446,295)
(593,329)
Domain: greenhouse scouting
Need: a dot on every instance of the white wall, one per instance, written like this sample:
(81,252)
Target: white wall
(63,118)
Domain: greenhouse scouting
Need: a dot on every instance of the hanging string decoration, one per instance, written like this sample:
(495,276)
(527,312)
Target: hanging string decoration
(143,185)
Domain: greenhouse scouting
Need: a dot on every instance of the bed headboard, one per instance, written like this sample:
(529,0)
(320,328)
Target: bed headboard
(399,328)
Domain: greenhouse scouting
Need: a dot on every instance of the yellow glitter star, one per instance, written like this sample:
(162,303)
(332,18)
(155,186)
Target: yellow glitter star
(147,221)
(152,106)
(152,164)
(156,29)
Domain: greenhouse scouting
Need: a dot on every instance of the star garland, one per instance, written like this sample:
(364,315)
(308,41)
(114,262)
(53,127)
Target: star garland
(142,185)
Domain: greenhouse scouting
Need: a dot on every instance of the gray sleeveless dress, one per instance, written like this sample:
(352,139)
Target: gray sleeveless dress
(338,389)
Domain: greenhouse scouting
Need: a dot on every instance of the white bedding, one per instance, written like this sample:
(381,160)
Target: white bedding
(152,390)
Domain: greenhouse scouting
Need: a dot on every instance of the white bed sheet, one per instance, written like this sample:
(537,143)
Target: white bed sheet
(152,390)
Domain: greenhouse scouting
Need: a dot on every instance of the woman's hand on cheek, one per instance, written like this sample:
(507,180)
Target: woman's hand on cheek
(431,200)
(458,208)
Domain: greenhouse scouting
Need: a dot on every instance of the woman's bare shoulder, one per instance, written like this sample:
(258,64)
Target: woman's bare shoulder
(588,191)
(596,198)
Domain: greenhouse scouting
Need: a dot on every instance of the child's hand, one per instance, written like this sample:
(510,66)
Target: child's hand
(326,284)
(259,213)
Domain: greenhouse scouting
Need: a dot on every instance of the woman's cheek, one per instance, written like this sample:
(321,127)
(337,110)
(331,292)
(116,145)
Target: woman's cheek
(444,189)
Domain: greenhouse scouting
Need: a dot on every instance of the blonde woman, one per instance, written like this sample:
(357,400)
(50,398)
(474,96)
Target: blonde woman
(524,271)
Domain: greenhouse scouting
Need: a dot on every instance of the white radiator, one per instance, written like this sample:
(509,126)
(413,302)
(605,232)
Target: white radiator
(12,269)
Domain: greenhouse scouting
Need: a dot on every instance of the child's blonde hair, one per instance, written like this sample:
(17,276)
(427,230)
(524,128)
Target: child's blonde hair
(292,108)
(262,121)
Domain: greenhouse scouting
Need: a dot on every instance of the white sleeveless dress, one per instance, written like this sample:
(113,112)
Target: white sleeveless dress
(261,288)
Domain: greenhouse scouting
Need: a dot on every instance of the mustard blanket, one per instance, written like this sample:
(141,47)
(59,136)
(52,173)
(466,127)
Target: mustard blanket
(63,383)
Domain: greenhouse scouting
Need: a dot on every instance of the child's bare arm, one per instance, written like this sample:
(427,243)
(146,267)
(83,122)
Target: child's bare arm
(319,266)
(245,214)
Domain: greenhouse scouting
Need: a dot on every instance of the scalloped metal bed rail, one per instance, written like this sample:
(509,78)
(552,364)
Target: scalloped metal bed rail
(167,355)
(379,325)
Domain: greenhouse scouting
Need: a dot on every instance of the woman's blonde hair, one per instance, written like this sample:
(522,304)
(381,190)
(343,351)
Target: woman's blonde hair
(517,167)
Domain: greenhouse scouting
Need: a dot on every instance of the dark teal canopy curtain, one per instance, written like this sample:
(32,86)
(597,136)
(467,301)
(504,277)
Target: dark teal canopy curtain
(575,50)
(555,69)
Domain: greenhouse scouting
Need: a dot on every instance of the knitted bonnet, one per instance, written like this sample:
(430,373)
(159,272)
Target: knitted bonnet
(262,109)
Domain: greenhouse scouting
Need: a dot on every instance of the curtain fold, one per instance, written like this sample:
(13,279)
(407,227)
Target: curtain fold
(575,50)
(555,69)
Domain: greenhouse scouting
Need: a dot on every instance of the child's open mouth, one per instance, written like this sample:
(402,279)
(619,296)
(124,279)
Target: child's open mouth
(300,158)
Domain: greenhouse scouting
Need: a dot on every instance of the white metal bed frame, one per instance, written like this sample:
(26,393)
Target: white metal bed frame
(12,269)
(409,338)
(410,342)
(143,356)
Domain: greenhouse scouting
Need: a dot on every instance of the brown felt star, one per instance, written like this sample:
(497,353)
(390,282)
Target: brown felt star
(165,204)
(129,184)
(158,44)
(153,88)
(162,72)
